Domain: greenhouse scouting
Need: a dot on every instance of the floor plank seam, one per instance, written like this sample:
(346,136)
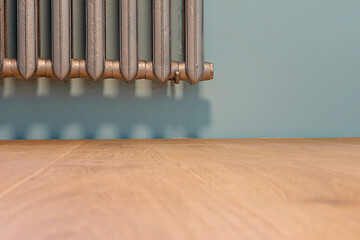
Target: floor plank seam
(37,172)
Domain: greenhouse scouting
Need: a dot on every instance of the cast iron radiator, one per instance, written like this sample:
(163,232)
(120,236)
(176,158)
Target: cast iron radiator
(29,66)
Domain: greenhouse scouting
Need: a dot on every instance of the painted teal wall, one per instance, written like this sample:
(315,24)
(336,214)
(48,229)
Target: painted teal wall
(283,68)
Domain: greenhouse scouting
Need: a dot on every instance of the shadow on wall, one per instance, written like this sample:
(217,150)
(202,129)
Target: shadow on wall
(113,110)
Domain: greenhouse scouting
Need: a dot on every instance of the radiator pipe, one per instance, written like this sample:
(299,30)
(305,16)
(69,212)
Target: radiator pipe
(112,70)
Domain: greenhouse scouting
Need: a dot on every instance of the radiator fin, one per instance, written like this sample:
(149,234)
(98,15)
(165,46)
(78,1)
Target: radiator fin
(27,38)
(61,38)
(2,34)
(162,43)
(194,40)
(128,39)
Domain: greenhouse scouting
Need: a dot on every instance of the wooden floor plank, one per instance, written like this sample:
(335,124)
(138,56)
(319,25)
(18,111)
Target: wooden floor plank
(186,189)
(21,159)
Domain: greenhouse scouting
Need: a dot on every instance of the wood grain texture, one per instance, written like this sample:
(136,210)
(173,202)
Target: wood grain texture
(19,160)
(180,189)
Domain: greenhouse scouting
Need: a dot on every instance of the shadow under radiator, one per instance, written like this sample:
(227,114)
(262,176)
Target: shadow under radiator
(166,112)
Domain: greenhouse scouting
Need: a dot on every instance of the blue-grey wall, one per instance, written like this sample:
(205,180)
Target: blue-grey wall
(283,68)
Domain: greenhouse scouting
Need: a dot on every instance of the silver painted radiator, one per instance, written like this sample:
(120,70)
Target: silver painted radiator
(62,66)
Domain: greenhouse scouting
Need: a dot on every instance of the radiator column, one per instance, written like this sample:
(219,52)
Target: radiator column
(194,39)
(128,39)
(61,38)
(2,34)
(95,39)
(27,56)
(162,42)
